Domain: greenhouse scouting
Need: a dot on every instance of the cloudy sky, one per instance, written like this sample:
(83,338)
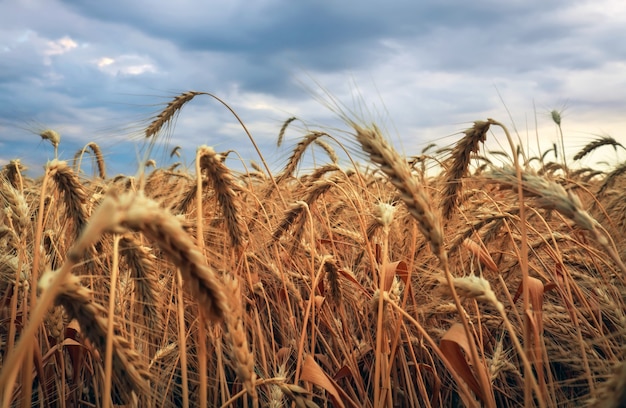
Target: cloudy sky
(423,70)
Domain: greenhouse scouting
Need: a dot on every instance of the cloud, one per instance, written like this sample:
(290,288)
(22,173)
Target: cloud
(59,47)
(126,65)
(423,69)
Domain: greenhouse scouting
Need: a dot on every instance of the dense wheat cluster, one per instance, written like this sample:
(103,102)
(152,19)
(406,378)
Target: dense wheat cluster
(426,281)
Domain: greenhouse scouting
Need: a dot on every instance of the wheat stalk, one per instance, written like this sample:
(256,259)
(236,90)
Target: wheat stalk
(225,190)
(139,213)
(475,287)
(74,193)
(319,172)
(461,155)
(328,149)
(129,371)
(613,390)
(314,190)
(416,201)
(169,112)
(548,194)
(175,151)
(144,272)
(13,173)
(552,196)
(243,358)
(591,146)
(411,193)
(283,128)
(295,157)
(53,137)
(97,152)
(15,206)
(332,274)
(611,178)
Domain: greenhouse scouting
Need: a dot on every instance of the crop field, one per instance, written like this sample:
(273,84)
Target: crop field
(447,277)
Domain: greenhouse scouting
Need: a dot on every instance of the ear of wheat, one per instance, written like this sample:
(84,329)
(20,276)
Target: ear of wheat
(225,190)
(591,146)
(411,193)
(129,371)
(139,213)
(461,155)
(169,112)
(283,128)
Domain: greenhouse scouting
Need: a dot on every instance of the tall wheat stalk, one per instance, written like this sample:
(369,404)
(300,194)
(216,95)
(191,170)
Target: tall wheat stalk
(414,197)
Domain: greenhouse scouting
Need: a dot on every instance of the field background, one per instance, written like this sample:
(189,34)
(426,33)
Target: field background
(454,276)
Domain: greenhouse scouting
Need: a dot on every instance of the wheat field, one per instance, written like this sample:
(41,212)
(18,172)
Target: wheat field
(441,279)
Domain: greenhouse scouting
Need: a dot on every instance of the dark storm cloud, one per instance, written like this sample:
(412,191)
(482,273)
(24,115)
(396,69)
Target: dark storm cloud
(331,35)
(260,45)
(96,65)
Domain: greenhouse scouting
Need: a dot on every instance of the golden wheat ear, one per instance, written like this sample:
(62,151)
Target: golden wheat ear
(145,274)
(283,128)
(73,192)
(166,115)
(236,333)
(593,145)
(461,155)
(411,193)
(138,213)
(97,152)
(53,137)
(297,154)
(225,189)
(130,374)
(13,173)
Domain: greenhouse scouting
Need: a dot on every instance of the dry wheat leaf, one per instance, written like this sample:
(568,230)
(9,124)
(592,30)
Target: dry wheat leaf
(313,373)
(480,252)
(320,287)
(344,372)
(352,279)
(58,347)
(536,290)
(392,269)
(453,344)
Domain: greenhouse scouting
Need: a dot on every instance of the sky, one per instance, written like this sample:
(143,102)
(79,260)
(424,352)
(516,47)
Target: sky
(422,70)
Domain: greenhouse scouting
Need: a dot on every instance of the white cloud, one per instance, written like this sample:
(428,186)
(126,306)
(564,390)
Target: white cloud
(104,61)
(58,47)
(126,65)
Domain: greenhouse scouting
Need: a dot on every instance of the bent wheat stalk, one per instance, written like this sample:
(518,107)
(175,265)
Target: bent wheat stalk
(129,370)
(97,152)
(283,128)
(297,154)
(169,112)
(475,287)
(591,146)
(139,213)
(177,103)
(417,202)
(54,137)
(411,193)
